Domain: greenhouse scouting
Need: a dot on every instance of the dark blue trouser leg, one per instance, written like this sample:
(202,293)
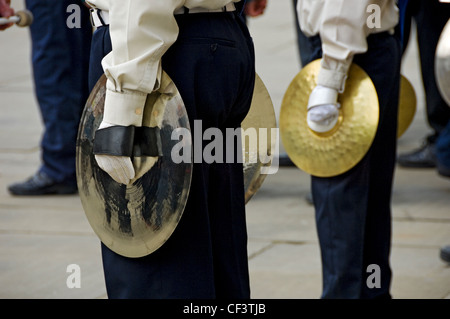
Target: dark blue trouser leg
(443,148)
(430,17)
(101,46)
(307,47)
(60,60)
(212,65)
(353,210)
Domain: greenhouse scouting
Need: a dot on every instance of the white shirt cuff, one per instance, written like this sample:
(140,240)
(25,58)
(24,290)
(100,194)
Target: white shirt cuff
(332,79)
(124,108)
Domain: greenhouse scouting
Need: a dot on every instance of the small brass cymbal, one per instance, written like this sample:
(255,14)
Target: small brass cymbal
(407,106)
(338,150)
(257,152)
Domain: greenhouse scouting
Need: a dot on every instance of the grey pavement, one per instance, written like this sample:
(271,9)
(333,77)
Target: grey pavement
(41,236)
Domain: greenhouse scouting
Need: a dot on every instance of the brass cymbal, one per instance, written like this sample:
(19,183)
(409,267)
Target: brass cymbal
(258,152)
(135,220)
(442,63)
(407,106)
(334,152)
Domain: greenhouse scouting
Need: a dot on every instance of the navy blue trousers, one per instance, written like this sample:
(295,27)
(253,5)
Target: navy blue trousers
(430,17)
(60,61)
(212,65)
(353,210)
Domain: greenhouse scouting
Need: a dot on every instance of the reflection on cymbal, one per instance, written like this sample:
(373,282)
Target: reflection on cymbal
(135,220)
(258,155)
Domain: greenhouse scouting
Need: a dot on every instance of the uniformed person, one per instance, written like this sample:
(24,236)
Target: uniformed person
(208,53)
(60,62)
(430,18)
(353,210)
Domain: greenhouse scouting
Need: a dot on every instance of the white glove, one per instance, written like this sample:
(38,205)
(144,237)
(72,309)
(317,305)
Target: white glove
(120,168)
(323,109)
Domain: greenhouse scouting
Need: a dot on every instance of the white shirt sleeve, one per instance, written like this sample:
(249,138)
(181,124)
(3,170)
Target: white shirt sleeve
(343,29)
(141,32)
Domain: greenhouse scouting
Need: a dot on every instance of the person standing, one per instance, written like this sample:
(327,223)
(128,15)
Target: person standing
(60,61)
(430,17)
(353,209)
(206,49)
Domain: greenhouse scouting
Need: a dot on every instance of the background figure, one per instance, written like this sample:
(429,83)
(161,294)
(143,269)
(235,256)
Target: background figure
(60,60)
(254,8)
(6,11)
(307,47)
(443,152)
(430,17)
(443,140)
(250,8)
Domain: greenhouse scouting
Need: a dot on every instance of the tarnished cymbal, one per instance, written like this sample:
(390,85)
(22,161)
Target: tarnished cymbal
(135,220)
(258,152)
(334,152)
(442,63)
(407,106)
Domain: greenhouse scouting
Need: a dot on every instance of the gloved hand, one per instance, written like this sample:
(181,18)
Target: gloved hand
(323,109)
(120,168)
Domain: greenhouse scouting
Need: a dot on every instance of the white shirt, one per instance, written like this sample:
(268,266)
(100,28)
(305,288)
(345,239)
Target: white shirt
(141,32)
(343,26)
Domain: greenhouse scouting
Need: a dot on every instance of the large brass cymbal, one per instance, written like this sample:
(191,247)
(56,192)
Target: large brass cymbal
(337,151)
(442,63)
(257,152)
(135,220)
(407,106)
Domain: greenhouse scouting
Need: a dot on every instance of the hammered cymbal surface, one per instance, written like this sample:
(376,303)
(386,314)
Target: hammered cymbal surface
(407,106)
(258,139)
(337,151)
(135,220)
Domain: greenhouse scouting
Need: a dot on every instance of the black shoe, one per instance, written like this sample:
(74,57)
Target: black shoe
(424,157)
(445,254)
(443,171)
(285,161)
(41,184)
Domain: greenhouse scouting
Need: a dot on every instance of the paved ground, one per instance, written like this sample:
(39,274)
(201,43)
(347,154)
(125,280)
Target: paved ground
(41,236)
